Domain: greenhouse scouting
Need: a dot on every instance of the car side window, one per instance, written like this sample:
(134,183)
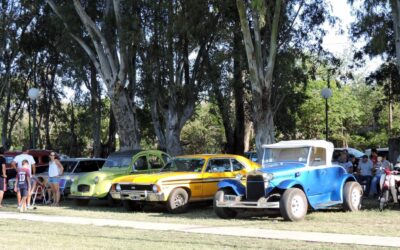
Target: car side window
(155,162)
(219,166)
(236,165)
(318,157)
(141,164)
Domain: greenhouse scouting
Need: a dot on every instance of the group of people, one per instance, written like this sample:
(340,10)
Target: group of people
(26,180)
(368,170)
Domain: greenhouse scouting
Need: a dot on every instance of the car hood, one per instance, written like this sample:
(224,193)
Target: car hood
(101,175)
(158,177)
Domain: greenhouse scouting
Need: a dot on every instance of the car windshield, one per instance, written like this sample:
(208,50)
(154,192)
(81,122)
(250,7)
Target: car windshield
(184,165)
(68,166)
(272,155)
(118,161)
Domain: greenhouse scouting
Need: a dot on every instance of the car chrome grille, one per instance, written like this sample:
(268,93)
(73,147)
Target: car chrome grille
(136,187)
(83,188)
(255,188)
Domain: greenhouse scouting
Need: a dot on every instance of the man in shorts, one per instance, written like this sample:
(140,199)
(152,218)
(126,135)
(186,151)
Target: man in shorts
(17,163)
(23,185)
(3,175)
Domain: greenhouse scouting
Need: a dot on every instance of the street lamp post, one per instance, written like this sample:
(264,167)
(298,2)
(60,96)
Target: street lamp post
(326,93)
(33,94)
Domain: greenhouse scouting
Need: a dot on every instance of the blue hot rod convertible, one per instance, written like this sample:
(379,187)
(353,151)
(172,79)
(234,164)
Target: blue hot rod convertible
(295,176)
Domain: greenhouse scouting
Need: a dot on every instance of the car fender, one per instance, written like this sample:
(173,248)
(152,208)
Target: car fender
(235,185)
(346,178)
(286,184)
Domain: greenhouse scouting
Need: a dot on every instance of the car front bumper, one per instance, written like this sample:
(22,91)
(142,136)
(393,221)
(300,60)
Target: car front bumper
(137,195)
(234,201)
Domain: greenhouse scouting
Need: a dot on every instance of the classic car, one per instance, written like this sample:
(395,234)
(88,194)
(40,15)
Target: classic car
(76,167)
(294,175)
(184,179)
(96,185)
(41,157)
(252,155)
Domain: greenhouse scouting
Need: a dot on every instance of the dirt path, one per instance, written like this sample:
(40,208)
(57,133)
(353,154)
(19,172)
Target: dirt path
(227,231)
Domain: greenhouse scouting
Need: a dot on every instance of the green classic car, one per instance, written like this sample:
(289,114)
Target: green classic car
(96,185)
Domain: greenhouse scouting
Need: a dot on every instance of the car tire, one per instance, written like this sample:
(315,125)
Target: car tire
(178,201)
(131,205)
(81,202)
(293,205)
(352,196)
(223,212)
(112,202)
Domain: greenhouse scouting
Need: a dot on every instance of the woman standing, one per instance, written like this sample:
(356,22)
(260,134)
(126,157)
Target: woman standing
(55,170)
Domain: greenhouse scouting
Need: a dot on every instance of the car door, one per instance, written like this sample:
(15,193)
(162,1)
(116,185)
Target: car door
(218,169)
(320,177)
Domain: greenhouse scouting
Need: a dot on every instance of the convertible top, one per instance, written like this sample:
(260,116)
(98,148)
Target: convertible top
(305,143)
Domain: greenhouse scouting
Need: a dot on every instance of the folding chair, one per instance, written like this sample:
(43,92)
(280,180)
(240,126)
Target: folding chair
(40,191)
(62,185)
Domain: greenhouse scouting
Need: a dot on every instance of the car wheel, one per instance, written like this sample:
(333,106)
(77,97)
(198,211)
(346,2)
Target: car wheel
(293,205)
(352,196)
(131,205)
(81,202)
(112,202)
(178,201)
(223,212)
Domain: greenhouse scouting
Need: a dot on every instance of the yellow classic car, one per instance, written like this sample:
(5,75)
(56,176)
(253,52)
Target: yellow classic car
(184,179)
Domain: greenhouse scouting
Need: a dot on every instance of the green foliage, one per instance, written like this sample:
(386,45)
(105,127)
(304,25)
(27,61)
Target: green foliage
(205,132)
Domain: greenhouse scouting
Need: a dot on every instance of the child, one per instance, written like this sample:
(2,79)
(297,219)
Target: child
(23,184)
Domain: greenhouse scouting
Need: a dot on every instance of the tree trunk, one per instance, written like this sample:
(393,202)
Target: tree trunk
(126,120)
(110,146)
(264,129)
(395,4)
(238,92)
(173,132)
(96,111)
(248,133)
(6,114)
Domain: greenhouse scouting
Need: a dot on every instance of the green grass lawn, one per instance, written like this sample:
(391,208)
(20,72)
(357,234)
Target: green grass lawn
(369,221)
(17,234)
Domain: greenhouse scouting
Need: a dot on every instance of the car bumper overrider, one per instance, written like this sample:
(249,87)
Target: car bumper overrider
(144,195)
(234,201)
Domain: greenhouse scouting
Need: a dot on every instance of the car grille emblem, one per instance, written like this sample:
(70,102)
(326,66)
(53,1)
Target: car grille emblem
(132,187)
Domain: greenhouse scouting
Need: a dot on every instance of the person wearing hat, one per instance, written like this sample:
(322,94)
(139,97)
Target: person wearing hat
(365,167)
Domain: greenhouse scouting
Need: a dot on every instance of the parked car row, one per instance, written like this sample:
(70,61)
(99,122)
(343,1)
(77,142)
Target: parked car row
(295,176)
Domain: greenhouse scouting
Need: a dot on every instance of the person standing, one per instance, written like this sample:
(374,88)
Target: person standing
(23,185)
(17,163)
(365,167)
(55,170)
(3,176)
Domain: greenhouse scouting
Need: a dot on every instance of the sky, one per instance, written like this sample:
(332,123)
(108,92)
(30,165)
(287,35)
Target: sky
(340,44)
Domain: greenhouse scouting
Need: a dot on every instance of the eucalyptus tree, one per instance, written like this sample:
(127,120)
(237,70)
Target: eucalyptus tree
(178,36)
(15,21)
(271,27)
(112,50)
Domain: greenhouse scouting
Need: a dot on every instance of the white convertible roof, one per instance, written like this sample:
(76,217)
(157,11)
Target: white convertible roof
(305,143)
(301,143)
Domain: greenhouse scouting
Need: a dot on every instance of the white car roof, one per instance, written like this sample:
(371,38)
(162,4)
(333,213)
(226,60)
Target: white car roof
(305,143)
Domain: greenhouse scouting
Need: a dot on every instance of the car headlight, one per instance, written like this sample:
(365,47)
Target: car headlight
(118,188)
(268,176)
(96,179)
(156,188)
